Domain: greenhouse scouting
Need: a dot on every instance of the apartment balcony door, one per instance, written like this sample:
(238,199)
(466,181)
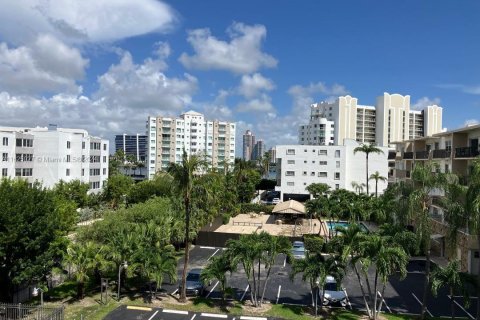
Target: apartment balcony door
(474,144)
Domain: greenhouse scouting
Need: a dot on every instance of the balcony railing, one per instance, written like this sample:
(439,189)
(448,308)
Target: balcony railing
(441,153)
(421,155)
(466,152)
(408,155)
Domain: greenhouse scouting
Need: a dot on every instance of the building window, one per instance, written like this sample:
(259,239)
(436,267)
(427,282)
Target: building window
(337,164)
(104,147)
(18,172)
(290,184)
(304,173)
(67,173)
(322,152)
(104,171)
(5,141)
(18,142)
(68,158)
(83,144)
(323,174)
(312,174)
(290,151)
(337,175)
(290,173)
(322,163)
(83,172)
(4,156)
(337,153)
(290,161)
(337,186)
(27,172)
(4,172)
(68,144)
(104,159)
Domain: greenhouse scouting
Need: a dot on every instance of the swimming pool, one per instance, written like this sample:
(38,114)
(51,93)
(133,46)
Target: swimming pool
(333,225)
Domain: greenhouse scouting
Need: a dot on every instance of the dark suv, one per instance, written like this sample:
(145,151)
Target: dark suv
(194,284)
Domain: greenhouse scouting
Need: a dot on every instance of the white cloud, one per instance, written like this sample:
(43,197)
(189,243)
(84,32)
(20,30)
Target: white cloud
(250,86)
(83,21)
(243,54)
(471,89)
(46,65)
(260,104)
(425,102)
(471,122)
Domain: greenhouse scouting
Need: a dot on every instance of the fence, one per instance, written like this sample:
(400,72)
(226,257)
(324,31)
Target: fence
(247,223)
(29,312)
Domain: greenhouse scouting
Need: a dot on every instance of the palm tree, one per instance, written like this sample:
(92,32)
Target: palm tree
(319,204)
(85,258)
(377,177)
(217,268)
(425,179)
(184,177)
(450,277)
(264,164)
(473,209)
(367,149)
(358,187)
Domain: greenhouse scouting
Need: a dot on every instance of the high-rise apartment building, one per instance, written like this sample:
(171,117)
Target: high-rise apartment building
(390,120)
(132,145)
(168,137)
(273,154)
(248,145)
(50,155)
(258,150)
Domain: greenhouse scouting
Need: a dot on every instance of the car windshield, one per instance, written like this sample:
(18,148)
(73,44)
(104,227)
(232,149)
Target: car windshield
(330,286)
(297,245)
(193,277)
(298,250)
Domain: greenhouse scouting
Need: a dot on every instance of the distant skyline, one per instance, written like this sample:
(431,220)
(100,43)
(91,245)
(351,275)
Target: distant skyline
(106,65)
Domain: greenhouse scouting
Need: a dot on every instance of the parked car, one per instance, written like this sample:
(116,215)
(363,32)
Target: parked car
(275,200)
(333,294)
(194,284)
(298,250)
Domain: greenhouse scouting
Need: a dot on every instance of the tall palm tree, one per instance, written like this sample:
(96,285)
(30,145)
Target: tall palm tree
(450,277)
(367,149)
(217,268)
(184,177)
(425,179)
(377,177)
(319,204)
(473,209)
(264,163)
(358,187)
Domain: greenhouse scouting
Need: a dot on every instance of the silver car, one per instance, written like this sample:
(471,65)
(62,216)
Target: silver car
(298,250)
(332,294)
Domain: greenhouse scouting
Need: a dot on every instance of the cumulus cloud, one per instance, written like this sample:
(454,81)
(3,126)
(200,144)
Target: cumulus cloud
(423,102)
(83,21)
(251,85)
(45,65)
(260,104)
(471,122)
(241,55)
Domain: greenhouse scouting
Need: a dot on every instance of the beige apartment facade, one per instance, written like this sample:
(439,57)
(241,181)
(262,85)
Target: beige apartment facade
(454,151)
(167,138)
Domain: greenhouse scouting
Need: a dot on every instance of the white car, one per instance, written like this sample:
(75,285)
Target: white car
(332,294)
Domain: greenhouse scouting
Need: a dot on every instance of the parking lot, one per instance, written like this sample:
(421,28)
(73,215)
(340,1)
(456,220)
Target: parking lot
(401,296)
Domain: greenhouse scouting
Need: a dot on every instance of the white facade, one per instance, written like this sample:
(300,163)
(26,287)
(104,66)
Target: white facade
(167,137)
(389,121)
(48,156)
(298,166)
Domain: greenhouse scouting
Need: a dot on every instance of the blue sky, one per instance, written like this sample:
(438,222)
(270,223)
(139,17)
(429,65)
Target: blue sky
(106,65)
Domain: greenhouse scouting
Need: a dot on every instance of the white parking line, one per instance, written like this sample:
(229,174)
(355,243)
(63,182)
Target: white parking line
(210,248)
(244,292)
(213,254)
(213,315)
(153,315)
(212,289)
(193,316)
(175,292)
(252,318)
(464,297)
(384,302)
(175,311)
(278,294)
(348,300)
(458,304)
(418,300)
(285,262)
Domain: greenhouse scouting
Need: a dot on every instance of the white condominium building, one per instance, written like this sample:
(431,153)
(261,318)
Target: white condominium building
(298,166)
(167,137)
(390,120)
(48,155)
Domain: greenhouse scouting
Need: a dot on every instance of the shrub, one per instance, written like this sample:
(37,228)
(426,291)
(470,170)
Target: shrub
(255,207)
(313,243)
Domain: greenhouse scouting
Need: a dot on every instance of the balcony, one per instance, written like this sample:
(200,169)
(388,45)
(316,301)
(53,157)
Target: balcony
(466,152)
(422,155)
(441,153)
(408,155)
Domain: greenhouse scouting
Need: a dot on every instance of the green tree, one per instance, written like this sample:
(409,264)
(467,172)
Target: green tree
(117,188)
(319,204)
(217,269)
(115,162)
(246,187)
(75,191)
(159,186)
(367,149)
(184,179)
(377,177)
(33,226)
(451,277)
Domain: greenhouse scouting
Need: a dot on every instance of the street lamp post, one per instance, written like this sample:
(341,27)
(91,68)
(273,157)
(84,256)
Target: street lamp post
(316,297)
(35,294)
(124,266)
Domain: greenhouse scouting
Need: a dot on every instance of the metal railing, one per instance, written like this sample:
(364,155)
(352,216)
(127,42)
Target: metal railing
(441,153)
(466,152)
(19,311)
(408,155)
(421,155)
